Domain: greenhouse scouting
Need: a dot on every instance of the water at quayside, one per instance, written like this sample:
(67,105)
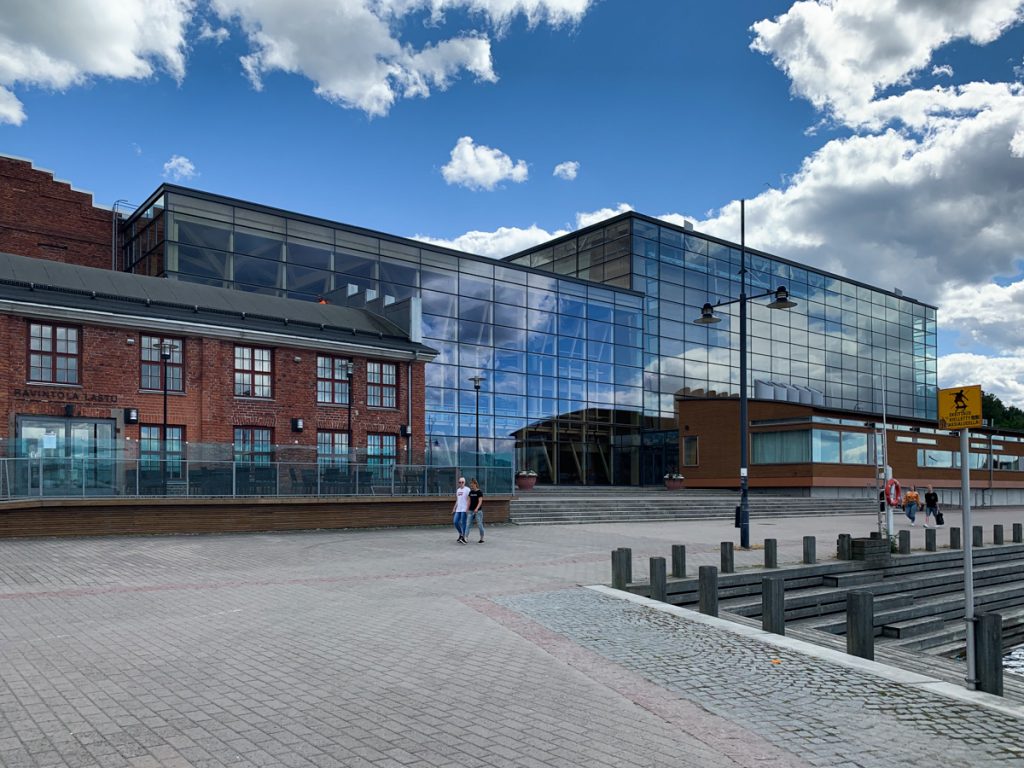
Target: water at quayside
(1014,661)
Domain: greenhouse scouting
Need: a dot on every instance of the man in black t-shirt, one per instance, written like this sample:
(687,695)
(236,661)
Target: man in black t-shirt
(476,508)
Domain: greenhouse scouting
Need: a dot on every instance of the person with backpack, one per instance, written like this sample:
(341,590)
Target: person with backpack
(931,508)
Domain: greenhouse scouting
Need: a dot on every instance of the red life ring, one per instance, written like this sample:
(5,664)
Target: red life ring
(893,494)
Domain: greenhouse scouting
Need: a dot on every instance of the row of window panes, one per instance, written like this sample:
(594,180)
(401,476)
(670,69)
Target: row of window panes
(934,459)
(818,446)
(55,352)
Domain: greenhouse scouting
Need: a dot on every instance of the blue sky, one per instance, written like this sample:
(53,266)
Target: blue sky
(881,139)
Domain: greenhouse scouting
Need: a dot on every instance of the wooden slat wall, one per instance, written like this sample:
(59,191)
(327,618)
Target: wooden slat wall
(101,517)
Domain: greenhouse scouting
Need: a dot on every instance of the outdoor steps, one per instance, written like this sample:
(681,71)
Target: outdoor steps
(626,505)
(918,598)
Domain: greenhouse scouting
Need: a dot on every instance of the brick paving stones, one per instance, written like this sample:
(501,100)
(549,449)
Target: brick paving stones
(400,648)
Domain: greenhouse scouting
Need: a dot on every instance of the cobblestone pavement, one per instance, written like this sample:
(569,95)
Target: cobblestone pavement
(382,648)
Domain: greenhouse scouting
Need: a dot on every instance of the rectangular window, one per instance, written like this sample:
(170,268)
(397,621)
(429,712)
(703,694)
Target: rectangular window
(332,379)
(254,445)
(253,372)
(153,365)
(690,451)
(381,449)
(151,453)
(855,448)
(53,354)
(825,448)
(792,447)
(382,385)
(331,448)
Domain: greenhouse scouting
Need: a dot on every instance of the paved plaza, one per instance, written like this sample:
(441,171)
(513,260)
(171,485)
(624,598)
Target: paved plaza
(403,648)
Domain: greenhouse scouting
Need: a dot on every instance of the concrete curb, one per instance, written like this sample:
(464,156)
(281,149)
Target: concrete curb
(894,674)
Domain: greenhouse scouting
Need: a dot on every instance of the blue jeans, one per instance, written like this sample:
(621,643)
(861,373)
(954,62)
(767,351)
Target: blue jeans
(478,518)
(459,521)
(912,511)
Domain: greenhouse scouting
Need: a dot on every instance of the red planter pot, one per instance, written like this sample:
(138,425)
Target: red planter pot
(526,482)
(674,485)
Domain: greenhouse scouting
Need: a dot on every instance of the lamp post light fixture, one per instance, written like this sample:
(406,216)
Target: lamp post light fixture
(780,300)
(166,348)
(350,369)
(477,380)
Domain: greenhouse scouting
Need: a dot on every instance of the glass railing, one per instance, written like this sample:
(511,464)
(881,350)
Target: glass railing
(107,477)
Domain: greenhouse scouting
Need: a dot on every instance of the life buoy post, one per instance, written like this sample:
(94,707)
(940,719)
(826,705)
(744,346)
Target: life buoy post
(893,492)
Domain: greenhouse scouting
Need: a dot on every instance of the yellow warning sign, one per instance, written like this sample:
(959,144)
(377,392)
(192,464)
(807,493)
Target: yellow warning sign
(960,407)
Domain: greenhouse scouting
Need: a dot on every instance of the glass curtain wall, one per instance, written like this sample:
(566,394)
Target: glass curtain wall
(561,358)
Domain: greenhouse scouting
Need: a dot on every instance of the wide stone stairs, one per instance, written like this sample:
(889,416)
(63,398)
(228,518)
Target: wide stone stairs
(918,598)
(567,504)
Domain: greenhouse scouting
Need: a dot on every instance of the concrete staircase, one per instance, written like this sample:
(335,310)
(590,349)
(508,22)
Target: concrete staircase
(561,504)
(918,598)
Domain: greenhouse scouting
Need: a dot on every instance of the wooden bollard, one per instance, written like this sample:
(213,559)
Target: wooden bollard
(997,534)
(860,624)
(810,555)
(728,562)
(988,653)
(844,547)
(930,543)
(954,538)
(771,553)
(1018,533)
(773,604)
(978,536)
(659,585)
(904,539)
(707,576)
(679,561)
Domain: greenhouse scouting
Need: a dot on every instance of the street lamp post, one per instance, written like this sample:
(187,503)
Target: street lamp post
(165,359)
(350,369)
(707,317)
(477,380)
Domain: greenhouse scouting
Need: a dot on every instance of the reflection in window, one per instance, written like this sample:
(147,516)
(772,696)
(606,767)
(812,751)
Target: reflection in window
(791,447)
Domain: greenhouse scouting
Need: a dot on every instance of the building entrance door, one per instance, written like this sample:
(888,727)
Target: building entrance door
(65,457)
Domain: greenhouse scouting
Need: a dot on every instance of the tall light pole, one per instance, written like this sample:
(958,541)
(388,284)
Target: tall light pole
(165,358)
(350,368)
(707,316)
(477,380)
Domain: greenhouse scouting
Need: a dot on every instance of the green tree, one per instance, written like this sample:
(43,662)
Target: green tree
(1000,415)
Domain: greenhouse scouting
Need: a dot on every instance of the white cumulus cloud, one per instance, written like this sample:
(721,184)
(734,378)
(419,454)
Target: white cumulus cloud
(65,43)
(945,70)
(566,170)
(476,166)
(1001,376)
(178,168)
(219,35)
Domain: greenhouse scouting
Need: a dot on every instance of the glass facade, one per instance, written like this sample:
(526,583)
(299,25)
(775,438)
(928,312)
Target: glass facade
(583,342)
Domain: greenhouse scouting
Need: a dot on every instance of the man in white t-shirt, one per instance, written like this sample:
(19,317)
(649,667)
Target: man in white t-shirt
(461,507)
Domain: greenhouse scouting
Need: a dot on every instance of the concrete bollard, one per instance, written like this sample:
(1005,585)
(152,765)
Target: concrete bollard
(860,624)
(707,576)
(997,534)
(988,653)
(619,569)
(904,542)
(659,585)
(728,562)
(771,553)
(773,604)
(627,557)
(810,555)
(978,536)
(1018,533)
(954,538)
(930,544)
(679,561)
(844,547)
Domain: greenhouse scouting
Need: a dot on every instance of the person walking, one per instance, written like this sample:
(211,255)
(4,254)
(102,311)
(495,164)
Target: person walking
(911,502)
(476,508)
(459,512)
(931,507)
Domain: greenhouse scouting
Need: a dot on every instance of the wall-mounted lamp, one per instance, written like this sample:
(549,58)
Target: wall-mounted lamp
(298,425)
(131,415)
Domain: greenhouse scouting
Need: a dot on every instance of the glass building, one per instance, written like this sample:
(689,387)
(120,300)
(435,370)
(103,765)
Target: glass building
(583,342)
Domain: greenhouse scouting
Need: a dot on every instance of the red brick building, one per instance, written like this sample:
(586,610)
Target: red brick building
(817,451)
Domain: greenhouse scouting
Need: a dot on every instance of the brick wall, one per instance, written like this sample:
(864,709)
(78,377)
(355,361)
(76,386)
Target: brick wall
(208,409)
(47,219)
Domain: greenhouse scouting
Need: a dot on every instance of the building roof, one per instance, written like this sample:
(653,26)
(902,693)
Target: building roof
(90,291)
